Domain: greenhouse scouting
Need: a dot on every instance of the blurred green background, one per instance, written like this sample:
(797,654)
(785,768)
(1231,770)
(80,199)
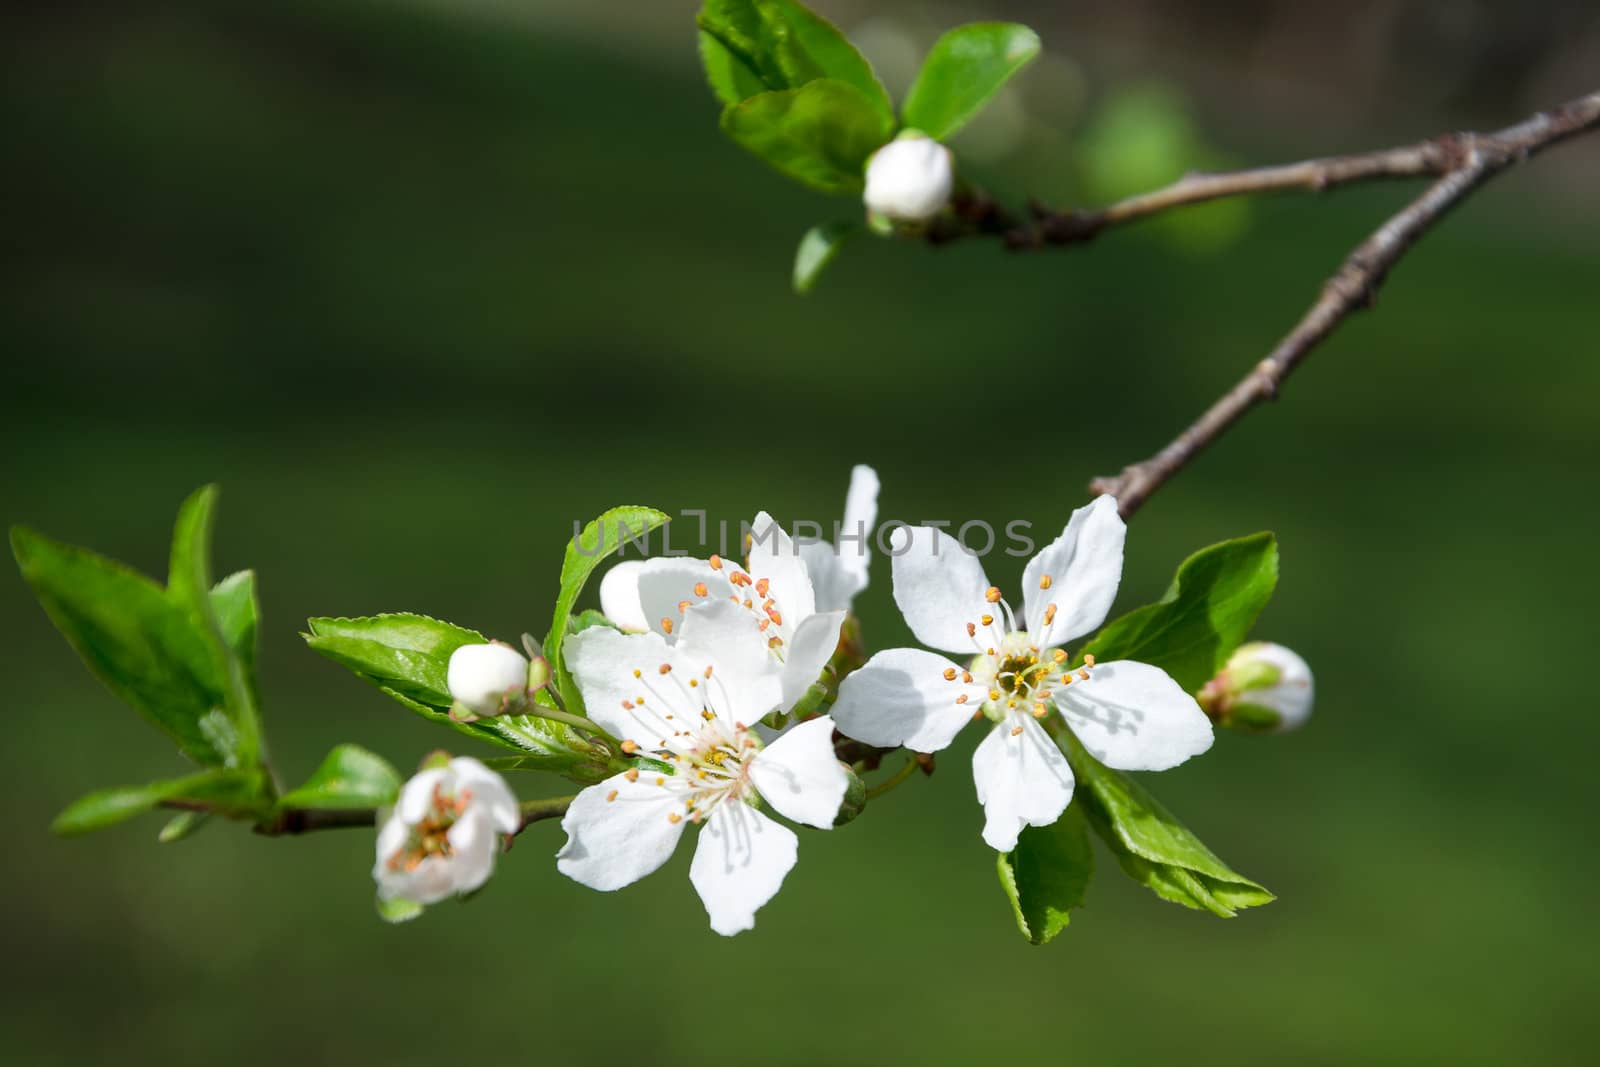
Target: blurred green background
(420,284)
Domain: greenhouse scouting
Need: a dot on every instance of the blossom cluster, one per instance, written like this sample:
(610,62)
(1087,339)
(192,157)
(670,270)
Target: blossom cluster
(724,678)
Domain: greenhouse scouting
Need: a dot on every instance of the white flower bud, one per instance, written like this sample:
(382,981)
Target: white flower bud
(443,833)
(1264,687)
(488,679)
(909,179)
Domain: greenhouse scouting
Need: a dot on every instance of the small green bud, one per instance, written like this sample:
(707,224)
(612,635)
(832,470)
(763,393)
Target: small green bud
(855,797)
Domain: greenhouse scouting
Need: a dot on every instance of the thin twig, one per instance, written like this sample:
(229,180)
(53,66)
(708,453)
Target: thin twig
(288,821)
(1478,157)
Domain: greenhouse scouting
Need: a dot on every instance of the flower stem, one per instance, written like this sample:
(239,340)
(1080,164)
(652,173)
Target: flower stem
(540,711)
(893,780)
(549,808)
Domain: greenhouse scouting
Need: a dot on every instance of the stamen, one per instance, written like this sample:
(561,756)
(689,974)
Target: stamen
(674,818)
(1049,614)
(631,774)
(987,620)
(1044,583)
(683,606)
(1088,660)
(949,674)
(1059,655)
(665,668)
(630,747)
(962,699)
(716,562)
(1016,730)
(700,589)
(762,586)
(611,796)
(666,624)
(993,594)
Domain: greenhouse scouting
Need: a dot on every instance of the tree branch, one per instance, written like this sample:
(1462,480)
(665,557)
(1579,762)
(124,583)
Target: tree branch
(290,821)
(1472,160)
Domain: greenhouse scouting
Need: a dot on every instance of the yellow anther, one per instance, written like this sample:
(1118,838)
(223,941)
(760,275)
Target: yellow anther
(631,774)
(661,781)
(1016,730)
(674,818)
(962,699)
(716,562)
(611,795)
(774,641)
(665,668)
(987,620)
(1049,614)
(630,747)
(994,694)
(949,674)
(683,606)
(1088,661)
(627,705)
(966,676)
(1045,582)
(693,683)
(992,594)
(666,624)
(762,586)
(1059,655)
(636,672)
(700,589)
(1040,709)
(1083,676)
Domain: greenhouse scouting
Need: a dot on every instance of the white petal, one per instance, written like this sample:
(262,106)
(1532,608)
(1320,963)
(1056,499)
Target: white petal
(490,793)
(939,586)
(1084,566)
(665,584)
(810,647)
(473,844)
(1022,779)
(416,797)
(773,556)
(739,864)
(603,661)
(799,775)
(747,681)
(613,843)
(833,586)
(619,596)
(853,544)
(901,697)
(1134,717)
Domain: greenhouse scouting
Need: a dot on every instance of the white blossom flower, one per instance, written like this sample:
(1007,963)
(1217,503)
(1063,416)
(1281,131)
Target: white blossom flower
(909,179)
(691,705)
(775,589)
(442,835)
(487,679)
(1263,687)
(1128,715)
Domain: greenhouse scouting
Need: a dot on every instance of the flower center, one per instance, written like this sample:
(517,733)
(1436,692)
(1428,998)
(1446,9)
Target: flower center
(431,836)
(1020,676)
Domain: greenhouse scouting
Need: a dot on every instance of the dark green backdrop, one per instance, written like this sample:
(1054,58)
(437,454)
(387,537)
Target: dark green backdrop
(419,290)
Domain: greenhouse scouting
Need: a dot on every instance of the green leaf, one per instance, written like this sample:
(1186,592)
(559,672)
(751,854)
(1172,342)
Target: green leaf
(234,601)
(408,654)
(1203,618)
(189,586)
(821,135)
(131,636)
(241,792)
(1152,846)
(817,249)
(182,825)
(966,67)
(350,777)
(598,540)
(750,46)
(1046,875)
(587,620)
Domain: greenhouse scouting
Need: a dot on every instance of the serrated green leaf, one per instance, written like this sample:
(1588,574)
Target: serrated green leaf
(182,825)
(350,777)
(1047,874)
(821,134)
(965,68)
(238,792)
(1152,846)
(750,46)
(584,552)
(817,249)
(131,636)
(404,652)
(189,587)
(1203,618)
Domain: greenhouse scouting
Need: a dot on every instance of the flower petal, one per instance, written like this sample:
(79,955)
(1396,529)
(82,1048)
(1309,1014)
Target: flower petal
(902,697)
(473,844)
(416,796)
(739,864)
(774,556)
(939,587)
(748,681)
(666,583)
(839,571)
(1022,779)
(604,661)
(1083,568)
(490,793)
(1134,717)
(810,648)
(615,842)
(799,775)
(619,596)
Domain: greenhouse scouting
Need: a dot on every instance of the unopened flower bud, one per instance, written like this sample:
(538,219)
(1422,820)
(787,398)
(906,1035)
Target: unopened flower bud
(488,679)
(909,179)
(1264,688)
(855,797)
